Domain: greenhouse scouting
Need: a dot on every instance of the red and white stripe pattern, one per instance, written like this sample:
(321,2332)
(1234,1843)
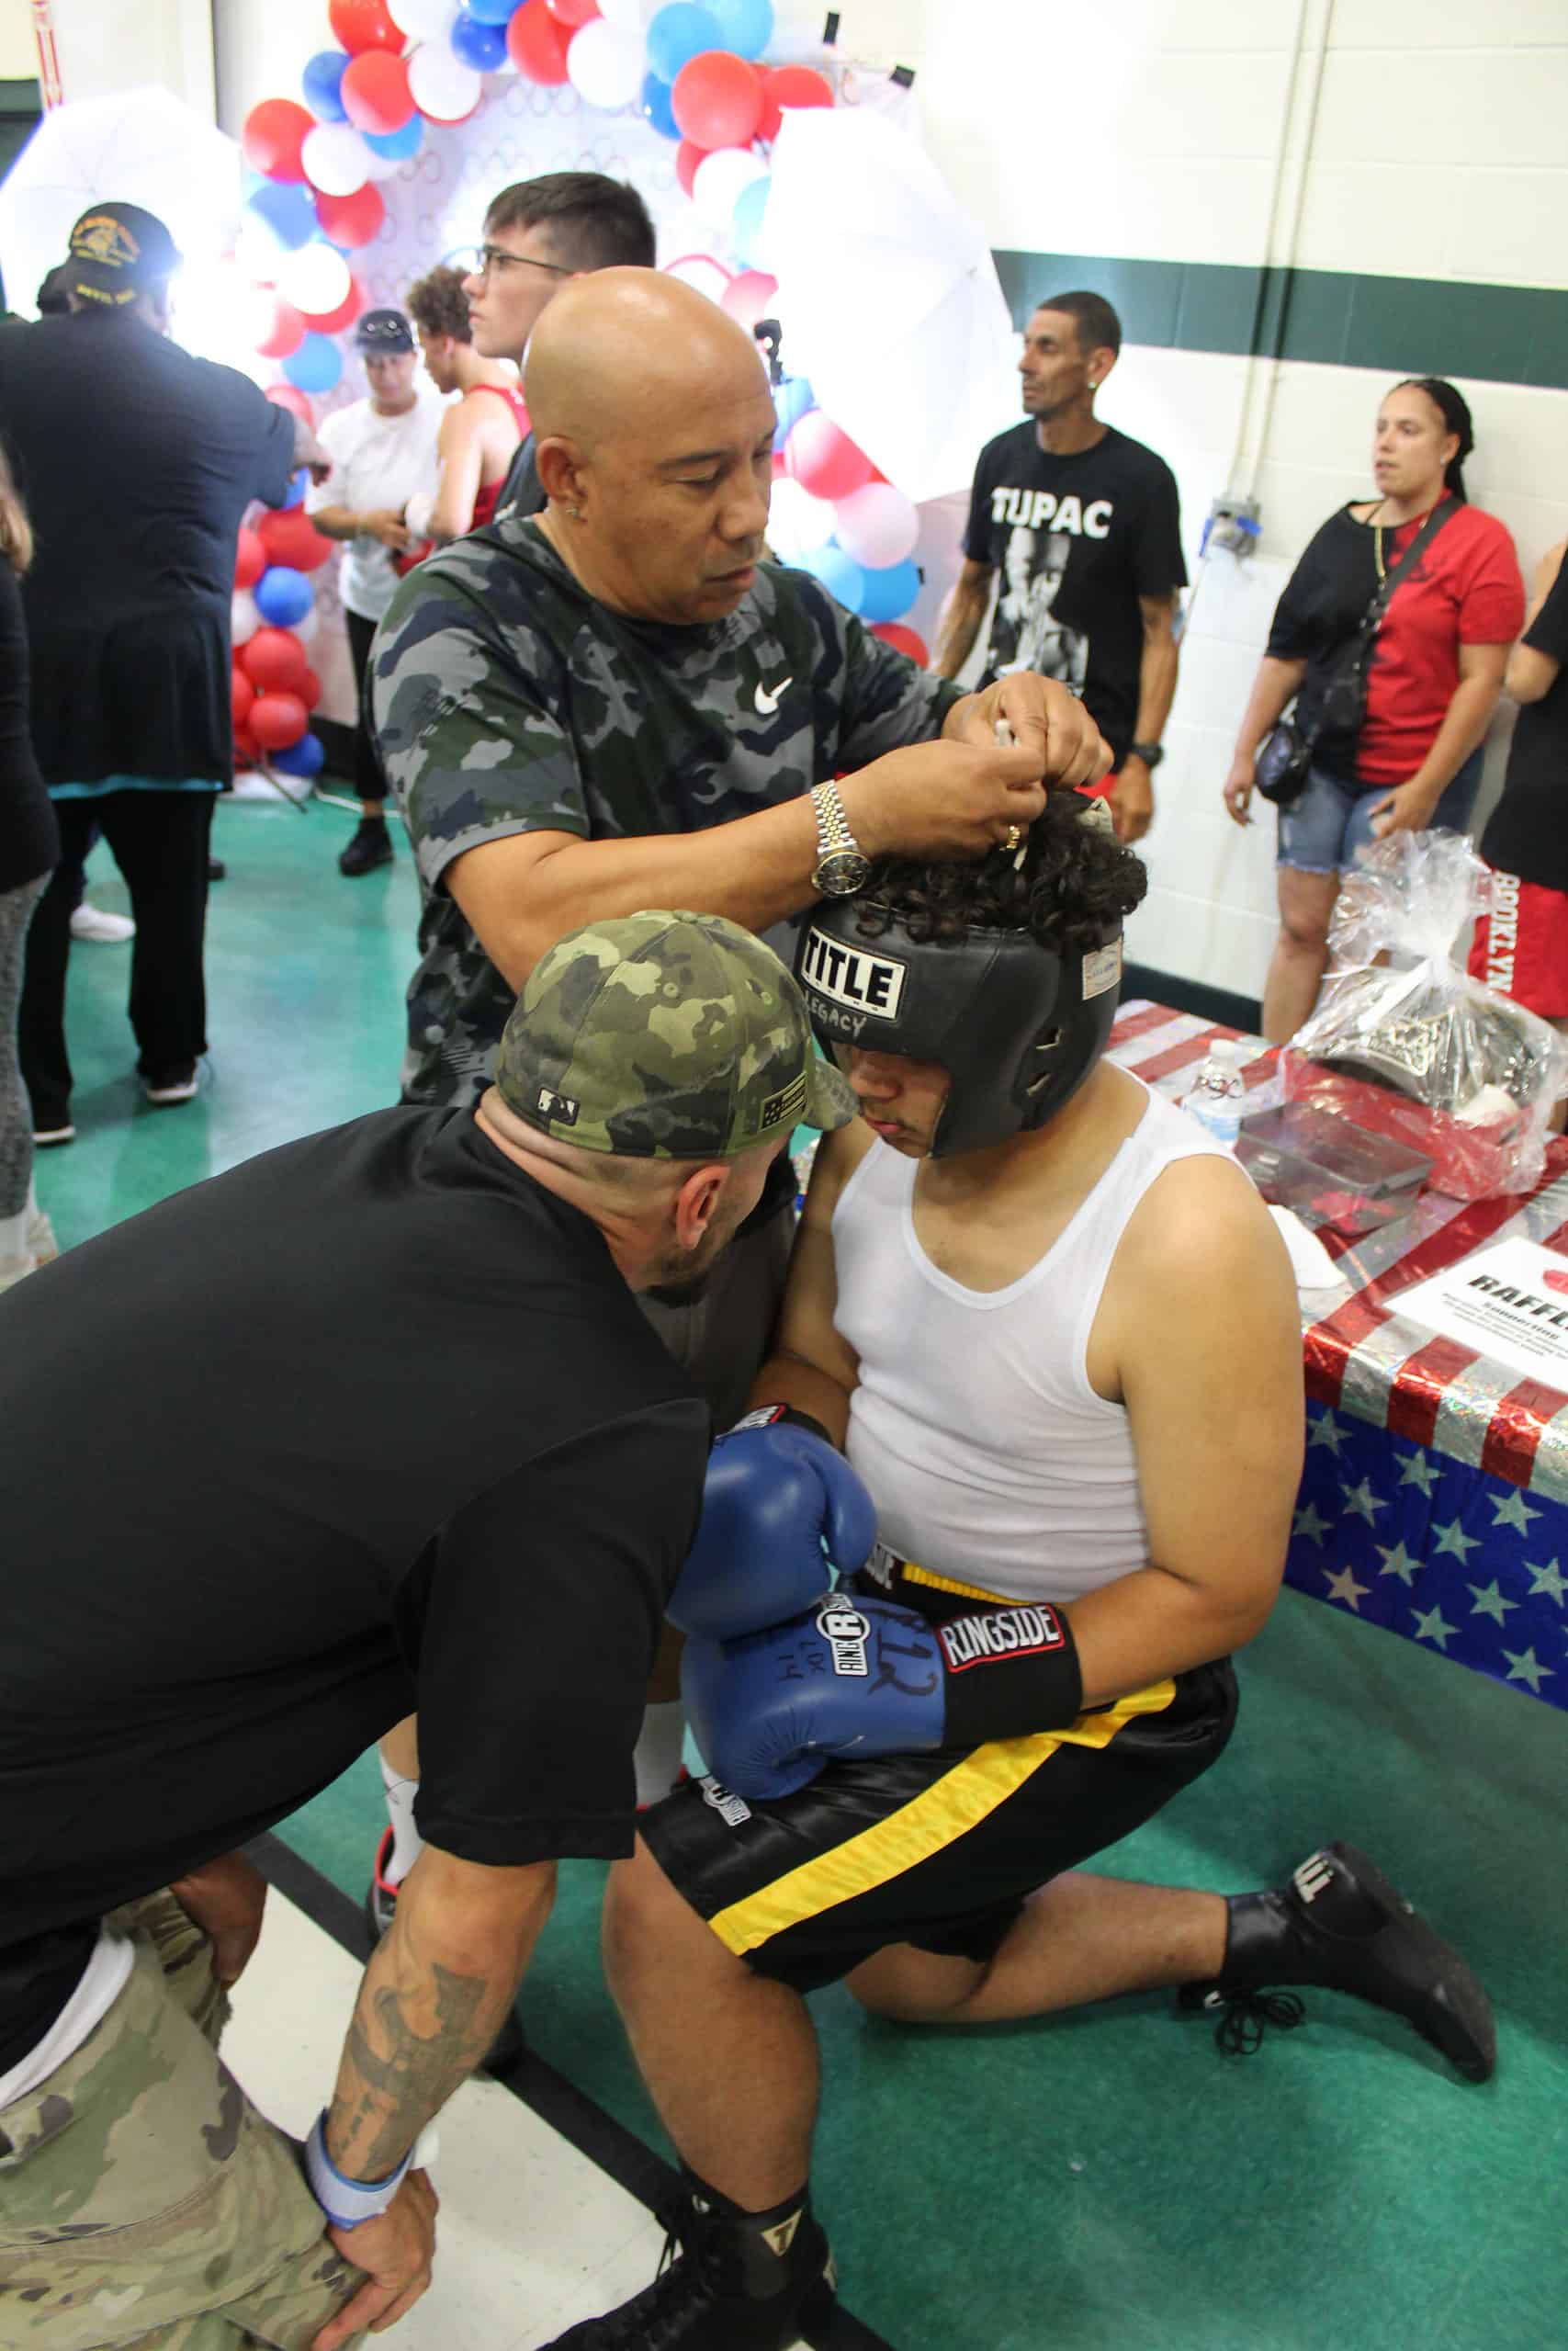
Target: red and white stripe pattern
(1363,1357)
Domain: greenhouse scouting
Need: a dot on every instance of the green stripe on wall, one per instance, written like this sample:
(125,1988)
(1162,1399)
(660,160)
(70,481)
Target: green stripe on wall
(1411,326)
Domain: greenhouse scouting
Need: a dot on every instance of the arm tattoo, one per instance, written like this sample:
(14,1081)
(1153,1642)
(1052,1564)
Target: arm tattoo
(394,2076)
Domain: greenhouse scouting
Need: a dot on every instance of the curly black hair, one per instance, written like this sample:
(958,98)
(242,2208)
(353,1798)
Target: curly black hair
(1076,884)
(436,302)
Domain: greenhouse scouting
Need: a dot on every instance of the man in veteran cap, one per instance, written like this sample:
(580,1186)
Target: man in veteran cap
(198,1638)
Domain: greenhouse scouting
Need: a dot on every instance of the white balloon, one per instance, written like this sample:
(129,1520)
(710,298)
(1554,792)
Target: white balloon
(626,16)
(315,280)
(604,65)
(701,272)
(423,20)
(305,627)
(442,85)
(718,179)
(796,521)
(335,157)
(244,618)
(877,525)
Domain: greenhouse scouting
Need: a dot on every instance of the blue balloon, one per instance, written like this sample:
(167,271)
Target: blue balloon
(792,399)
(888,593)
(478,43)
(296,489)
(492,12)
(657,98)
(397,145)
(679,33)
(282,595)
(285,211)
(304,758)
(839,574)
(321,82)
(316,365)
(746,221)
(745,26)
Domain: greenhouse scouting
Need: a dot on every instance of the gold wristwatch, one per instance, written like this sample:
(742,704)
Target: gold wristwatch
(841,865)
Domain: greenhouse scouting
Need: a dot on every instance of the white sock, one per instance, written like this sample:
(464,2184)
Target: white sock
(407,1842)
(657,1752)
(14,1242)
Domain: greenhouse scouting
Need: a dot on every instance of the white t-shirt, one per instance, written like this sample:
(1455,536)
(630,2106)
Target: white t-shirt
(377,461)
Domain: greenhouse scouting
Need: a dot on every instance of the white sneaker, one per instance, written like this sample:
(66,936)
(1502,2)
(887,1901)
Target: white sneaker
(179,1089)
(13,1268)
(105,930)
(40,1238)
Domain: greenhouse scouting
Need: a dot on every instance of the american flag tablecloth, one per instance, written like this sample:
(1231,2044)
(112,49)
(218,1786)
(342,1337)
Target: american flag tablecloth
(1435,1499)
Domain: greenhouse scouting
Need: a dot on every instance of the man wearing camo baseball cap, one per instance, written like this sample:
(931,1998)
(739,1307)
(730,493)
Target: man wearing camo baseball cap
(487,1524)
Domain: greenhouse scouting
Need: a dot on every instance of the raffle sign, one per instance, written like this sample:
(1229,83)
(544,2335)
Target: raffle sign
(1509,1302)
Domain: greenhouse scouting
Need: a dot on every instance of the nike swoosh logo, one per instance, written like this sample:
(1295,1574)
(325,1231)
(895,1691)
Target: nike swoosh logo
(768,703)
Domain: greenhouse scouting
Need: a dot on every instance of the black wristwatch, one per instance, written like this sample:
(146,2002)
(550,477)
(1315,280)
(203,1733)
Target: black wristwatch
(1150,754)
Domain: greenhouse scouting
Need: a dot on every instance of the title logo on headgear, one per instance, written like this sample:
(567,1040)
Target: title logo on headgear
(856,977)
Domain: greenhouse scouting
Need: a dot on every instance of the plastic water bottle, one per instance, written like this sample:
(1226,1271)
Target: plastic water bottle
(1217,1093)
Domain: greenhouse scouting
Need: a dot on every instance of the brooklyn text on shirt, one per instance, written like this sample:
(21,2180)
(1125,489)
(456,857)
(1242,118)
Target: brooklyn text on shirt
(1032,509)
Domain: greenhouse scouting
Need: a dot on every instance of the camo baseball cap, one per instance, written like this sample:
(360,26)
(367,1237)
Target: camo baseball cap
(666,1036)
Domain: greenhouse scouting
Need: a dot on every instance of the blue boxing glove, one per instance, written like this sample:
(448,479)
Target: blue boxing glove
(774,1494)
(857,1676)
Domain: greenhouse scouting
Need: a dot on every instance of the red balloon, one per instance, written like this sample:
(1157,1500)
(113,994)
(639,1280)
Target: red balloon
(250,559)
(375,92)
(278,720)
(272,137)
(289,536)
(573,12)
(769,122)
(274,661)
(825,461)
(348,221)
(311,692)
(348,311)
(291,397)
(688,155)
(537,42)
(748,297)
(242,694)
(798,85)
(903,640)
(717,99)
(360,25)
(286,334)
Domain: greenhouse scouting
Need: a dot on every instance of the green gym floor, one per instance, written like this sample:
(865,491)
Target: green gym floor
(1104,2180)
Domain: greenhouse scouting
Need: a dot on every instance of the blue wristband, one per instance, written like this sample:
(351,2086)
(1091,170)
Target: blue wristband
(346,2202)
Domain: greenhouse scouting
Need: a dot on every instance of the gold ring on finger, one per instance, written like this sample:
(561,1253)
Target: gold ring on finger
(1013,837)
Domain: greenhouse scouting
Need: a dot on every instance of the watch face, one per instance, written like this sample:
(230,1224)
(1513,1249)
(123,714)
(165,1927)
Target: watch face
(841,872)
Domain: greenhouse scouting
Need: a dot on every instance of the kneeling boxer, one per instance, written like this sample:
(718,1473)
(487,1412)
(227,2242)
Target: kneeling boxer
(1020,1294)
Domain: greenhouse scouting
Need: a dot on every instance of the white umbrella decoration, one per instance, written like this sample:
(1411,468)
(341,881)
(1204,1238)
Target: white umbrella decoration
(143,147)
(888,296)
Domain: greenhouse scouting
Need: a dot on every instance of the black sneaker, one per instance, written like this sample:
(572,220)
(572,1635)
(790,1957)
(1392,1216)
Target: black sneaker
(370,845)
(1341,1924)
(380,1909)
(736,2284)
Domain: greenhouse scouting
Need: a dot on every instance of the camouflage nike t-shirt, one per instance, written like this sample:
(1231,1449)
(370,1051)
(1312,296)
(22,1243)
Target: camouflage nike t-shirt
(506,700)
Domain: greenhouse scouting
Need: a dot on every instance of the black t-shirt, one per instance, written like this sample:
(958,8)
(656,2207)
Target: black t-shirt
(369,1423)
(29,835)
(1528,834)
(1077,541)
(522,493)
(137,463)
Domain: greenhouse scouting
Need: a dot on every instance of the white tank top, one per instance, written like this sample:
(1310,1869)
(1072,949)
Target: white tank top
(992,1461)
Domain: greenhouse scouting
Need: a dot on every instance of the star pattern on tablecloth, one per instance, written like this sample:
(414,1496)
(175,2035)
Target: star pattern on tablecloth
(1489,1601)
(1362,1500)
(1397,1562)
(1513,1511)
(1526,1666)
(1417,1471)
(1431,1625)
(1547,1581)
(1454,1540)
(1324,1430)
(1307,1522)
(1344,1586)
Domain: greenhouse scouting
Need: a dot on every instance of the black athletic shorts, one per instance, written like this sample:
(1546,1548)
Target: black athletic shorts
(937,1850)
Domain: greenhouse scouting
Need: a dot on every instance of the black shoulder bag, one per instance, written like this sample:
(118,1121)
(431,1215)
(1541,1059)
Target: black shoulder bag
(1286,752)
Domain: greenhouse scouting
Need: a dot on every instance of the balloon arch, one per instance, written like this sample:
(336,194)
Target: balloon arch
(701,77)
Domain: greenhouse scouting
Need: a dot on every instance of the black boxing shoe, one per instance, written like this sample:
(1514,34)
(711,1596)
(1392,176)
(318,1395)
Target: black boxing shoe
(740,2282)
(1340,1924)
(381,1908)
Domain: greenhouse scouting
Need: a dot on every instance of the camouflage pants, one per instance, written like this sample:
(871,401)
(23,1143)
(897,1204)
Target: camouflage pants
(144,2201)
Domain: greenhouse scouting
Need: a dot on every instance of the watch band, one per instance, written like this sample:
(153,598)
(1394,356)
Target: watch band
(832,825)
(1150,754)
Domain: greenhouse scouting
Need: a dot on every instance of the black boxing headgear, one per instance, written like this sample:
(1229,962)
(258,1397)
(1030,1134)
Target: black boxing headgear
(1017,1026)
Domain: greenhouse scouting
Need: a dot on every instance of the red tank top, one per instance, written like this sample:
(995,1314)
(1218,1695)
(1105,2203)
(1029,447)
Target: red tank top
(485,497)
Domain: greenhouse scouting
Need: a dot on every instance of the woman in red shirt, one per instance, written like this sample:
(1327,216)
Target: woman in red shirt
(1432,685)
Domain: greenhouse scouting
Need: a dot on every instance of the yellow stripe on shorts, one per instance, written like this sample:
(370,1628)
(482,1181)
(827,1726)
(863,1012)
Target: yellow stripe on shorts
(948,1809)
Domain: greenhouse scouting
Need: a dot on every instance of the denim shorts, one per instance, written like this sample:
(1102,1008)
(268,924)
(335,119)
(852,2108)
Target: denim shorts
(1321,832)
